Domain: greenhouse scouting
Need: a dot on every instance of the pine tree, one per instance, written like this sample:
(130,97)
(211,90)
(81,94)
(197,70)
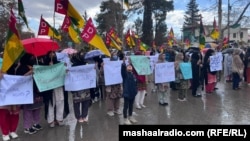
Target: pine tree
(191,20)
(192,16)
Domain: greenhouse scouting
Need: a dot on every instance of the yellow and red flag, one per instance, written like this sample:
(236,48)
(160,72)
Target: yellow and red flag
(13,47)
(129,39)
(66,8)
(215,32)
(46,29)
(73,31)
(89,35)
(113,40)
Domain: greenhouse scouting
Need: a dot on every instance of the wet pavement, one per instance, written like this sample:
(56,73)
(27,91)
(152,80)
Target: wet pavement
(224,106)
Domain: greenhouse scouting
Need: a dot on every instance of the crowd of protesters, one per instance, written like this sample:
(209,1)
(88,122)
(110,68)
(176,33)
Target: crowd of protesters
(132,90)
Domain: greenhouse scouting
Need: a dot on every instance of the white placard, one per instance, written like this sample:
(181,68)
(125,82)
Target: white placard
(16,90)
(112,72)
(80,78)
(216,62)
(153,61)
(164,72)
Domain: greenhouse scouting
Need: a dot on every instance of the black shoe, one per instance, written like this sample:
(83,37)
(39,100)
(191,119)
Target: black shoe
(30,131)
(197,95)
(163,104)
(216,88)
(37,127)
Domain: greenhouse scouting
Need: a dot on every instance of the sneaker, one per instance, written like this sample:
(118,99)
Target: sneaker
(60,123)
(96,99)
(138,107)
(52,124)
(180,99)
(118,112)
(6,137)
(143,106)
(30,131)
(81,120)
(132,119)
(127,122)
(110,113)
(37,127)
(13,135)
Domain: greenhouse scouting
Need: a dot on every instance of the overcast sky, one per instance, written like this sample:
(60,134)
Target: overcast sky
(35,8)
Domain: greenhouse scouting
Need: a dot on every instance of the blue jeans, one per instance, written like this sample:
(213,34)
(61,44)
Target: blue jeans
(236,80)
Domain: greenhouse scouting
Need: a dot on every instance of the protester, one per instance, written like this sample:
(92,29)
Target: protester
(209,76)
(247,66)
(113,94)
(31,112)
(228,67)
(81,98)
(129,92)
(141,86)
(237,69)
(183,85)
(162,88)
(53,99)
(10,114)
(196,64)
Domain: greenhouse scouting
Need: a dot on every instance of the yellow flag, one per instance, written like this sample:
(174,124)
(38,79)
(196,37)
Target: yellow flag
(13,47)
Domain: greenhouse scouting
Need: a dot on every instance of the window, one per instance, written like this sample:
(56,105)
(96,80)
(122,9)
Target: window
(234,35)
(241,35)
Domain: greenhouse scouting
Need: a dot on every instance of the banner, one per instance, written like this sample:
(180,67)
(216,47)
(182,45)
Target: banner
(49,77)
(112,72)
(164,72)
(216,62)
(186,70)
(16,90)
(141,64)
(80,78)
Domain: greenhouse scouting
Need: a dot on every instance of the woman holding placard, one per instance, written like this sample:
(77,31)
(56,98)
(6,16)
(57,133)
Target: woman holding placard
(182,85)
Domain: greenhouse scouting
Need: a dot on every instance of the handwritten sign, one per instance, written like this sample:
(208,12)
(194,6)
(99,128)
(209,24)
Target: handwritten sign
(112,72)
(63,57)
(16,90)
(164,72)
(80,78)
(141,64)
(186,70)
(153,60)
(215,62)
(1,62)
(49,77)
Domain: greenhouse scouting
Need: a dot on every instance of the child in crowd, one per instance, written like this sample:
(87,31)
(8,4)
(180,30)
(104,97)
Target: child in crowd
(129,92)
(183,84)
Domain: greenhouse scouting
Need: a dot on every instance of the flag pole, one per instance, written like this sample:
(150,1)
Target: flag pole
(122,24)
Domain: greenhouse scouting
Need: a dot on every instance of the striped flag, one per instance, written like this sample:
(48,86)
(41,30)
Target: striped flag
(89,35)
(46,29)
(66,8)
(13,47)
(73,31)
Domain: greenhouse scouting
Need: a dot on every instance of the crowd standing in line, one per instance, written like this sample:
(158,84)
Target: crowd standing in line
(132,90)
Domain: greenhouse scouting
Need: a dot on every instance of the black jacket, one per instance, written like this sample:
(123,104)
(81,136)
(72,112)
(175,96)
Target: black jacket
(129,83)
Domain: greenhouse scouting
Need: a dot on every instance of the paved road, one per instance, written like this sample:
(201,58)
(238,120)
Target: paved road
(225,106)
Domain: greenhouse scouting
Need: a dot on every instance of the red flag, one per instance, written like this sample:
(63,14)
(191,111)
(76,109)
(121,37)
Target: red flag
(46,29)
(66,8)
(89,35)
(13,46)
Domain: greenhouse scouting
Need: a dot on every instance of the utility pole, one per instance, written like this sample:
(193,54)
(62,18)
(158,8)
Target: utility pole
(228,22)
